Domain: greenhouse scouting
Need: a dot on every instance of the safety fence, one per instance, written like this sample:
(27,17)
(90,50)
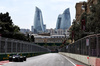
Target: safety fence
(8,45)
(89,45)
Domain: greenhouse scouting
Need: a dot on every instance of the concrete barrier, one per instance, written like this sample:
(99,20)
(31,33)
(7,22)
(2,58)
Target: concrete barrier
(98,61)
(91,61)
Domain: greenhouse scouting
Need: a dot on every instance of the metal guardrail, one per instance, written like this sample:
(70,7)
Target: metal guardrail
(8,45)
(89,45)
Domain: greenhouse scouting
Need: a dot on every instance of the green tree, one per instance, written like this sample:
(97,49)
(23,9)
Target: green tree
(54,44)
(93,20)
(76,28)
(45,45)
(32,38)
(92,23)
(10,30)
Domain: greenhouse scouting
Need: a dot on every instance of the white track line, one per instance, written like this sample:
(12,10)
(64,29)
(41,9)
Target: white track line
(69,60)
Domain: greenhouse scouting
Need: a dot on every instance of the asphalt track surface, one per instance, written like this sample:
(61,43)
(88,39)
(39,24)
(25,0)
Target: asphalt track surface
(50,59)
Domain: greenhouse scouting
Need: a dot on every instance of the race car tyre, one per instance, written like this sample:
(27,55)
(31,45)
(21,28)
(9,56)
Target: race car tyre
(21,59)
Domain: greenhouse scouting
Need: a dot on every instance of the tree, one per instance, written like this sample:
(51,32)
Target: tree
(54,44)
(93,20)
(45,45)
(32,38)
(75,30)
(10,30)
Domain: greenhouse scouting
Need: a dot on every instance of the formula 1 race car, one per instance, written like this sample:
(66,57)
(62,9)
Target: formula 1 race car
(17,58)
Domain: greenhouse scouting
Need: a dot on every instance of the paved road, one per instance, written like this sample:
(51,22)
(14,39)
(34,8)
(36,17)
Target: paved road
(51,59)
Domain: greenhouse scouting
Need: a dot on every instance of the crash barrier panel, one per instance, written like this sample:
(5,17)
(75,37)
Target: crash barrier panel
(88,46)
(13,46)
(91,61)
(83,58)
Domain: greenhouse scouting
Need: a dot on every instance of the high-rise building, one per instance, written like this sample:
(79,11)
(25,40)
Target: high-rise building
(58,21)
(64,20)
(38,21)
(32,28)
(44,27)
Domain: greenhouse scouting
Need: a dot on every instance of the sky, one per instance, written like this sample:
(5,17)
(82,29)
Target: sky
(22,11)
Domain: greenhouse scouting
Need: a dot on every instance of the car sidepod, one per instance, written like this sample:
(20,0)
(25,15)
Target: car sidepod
(21,59)
(10,58)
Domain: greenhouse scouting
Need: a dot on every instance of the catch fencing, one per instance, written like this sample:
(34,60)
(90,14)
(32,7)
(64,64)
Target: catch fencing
(89,45)
(8,45)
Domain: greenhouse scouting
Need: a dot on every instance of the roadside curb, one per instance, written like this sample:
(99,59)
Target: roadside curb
(3,62)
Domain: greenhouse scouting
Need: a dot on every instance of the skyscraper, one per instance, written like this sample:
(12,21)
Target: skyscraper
(64,20)
(38,21)
(58,21)
(44,27)
(32,28)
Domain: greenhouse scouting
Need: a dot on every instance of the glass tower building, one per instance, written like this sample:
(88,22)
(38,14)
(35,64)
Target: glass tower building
(38,21)
(64,20)
(58,21)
